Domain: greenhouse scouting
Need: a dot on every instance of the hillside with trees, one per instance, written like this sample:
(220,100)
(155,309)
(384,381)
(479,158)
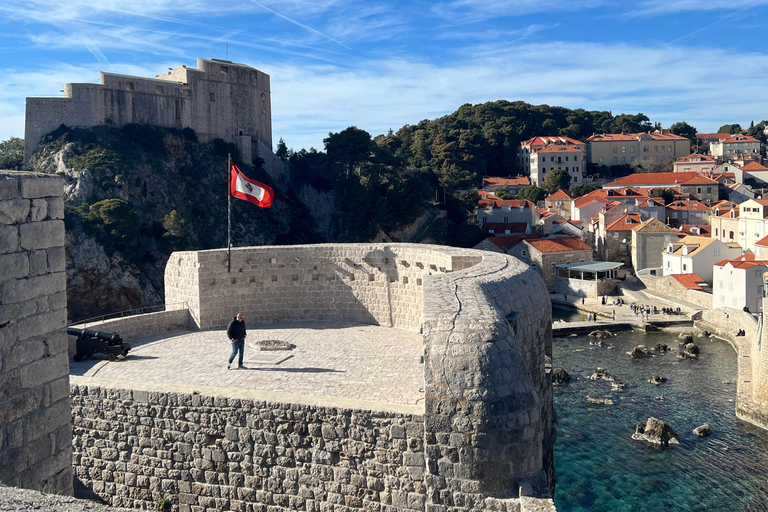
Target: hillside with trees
(135,194)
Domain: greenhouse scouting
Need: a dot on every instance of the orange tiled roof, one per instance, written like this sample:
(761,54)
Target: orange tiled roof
(744,261)
(509,241)
(561,244)
(763,241)
(713,136)
(689,281)
(640,179)
(498,203)
(543,141)
(514,181)
(700,179)
(687,230)
(737,139)
(754,166)
(558,148)
(625,222)
(687,205)
(698,157)
(561,194)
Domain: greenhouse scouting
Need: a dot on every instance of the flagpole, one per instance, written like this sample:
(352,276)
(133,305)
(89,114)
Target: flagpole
(229,213)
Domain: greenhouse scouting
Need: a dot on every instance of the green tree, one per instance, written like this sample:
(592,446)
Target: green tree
(348,149)
(282,151)
(581,190)
(730,128)
(175,229)
(502,193)
(665,193)
(683,129)
(532,193)
(12,154)
(557,179)
(116,216)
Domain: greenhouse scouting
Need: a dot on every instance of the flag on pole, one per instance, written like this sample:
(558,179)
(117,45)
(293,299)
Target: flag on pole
(248,189)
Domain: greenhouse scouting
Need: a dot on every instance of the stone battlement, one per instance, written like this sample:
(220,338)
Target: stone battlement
(219,99)
(480,437)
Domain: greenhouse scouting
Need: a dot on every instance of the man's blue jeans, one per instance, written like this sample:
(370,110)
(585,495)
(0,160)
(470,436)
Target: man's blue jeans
(237,346)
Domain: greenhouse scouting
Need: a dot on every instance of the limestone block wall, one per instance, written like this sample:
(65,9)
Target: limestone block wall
(668,286)
(365,283)
(138,326)
(216,453)
(35,432)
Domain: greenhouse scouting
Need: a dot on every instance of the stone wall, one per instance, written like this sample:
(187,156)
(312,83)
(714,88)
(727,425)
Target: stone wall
(481,440)
(365,283)
(137,326)
(584,287)
(35,431)
(751,403)
(669,287)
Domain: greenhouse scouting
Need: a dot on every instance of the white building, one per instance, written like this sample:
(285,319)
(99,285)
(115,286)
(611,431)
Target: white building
(568,157)
(527,147)
(695,162)
(738,283)
(734,146)
(697,255)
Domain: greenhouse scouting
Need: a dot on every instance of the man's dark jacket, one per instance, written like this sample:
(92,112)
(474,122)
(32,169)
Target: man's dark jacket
(236,329)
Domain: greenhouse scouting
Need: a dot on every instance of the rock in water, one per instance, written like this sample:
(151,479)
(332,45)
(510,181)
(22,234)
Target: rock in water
(660,347)
(657,380)
(685,339)
(601,374)
(616,385)
(692,348)
(600,333)
(703,430)
(655,431)
(638,352)
(560,377)
(598,400)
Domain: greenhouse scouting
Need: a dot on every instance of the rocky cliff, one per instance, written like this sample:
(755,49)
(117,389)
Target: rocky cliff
(135,194)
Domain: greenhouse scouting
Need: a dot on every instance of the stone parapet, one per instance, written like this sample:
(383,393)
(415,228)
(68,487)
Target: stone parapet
(484,433)
(35,432)
(138,326)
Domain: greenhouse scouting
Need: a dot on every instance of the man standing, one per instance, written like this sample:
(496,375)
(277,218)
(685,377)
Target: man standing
(236,334)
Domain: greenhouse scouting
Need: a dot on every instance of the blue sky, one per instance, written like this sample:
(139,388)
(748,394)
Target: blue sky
(380,65)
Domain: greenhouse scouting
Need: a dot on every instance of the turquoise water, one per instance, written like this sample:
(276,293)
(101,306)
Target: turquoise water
(600,468)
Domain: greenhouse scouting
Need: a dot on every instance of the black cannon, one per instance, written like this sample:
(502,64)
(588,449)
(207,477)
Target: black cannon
(90,341)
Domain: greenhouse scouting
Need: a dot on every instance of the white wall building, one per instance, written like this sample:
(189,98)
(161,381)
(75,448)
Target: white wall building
(697,255)
(568,157)
(734,146)
(738,283)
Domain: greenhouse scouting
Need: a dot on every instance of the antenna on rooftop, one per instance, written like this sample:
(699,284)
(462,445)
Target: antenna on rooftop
(227,54)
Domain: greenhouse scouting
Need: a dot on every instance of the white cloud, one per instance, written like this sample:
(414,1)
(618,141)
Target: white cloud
(667,83)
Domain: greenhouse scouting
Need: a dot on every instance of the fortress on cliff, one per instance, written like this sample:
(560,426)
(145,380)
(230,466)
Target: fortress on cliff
(219,99)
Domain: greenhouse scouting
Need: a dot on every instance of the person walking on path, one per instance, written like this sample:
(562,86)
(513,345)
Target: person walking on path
(236,334)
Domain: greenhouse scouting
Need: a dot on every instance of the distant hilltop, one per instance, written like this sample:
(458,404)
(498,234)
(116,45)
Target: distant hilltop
(219,99)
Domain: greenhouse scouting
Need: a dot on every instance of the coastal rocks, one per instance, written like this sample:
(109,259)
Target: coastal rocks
(560,377)
(655,431)
(617,385)
(690,351)
(639,352)
(598,400)
(657,380)
(601,374)
(703,430)
(704,334)
(684,339)
(598,343)
(601,334)
(660,347)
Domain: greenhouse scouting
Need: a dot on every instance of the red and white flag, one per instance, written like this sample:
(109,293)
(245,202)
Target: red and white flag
(248,189)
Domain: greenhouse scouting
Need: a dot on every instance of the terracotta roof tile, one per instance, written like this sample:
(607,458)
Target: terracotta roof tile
(514,181)
(625,222)
(690,281)
(653,179)
(754,166)
(561,194)
(560,244)
(653,226)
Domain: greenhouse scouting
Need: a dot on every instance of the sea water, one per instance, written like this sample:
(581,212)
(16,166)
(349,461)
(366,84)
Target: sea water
(601,468)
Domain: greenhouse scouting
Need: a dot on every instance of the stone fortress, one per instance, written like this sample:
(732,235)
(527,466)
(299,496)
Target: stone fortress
(479,436)
(219,99)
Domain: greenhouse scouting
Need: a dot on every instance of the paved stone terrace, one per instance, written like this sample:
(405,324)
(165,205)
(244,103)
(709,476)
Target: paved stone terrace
(332,364)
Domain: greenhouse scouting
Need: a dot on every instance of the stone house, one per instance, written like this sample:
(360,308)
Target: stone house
(734,146)
(649,239)
(530,146)
(693,183)
(615,244)
(687,212)
(506,210)
(544,253)
(695,162)
(646,149)
(568,157)
(697,255)
(738,283)
(560,203)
